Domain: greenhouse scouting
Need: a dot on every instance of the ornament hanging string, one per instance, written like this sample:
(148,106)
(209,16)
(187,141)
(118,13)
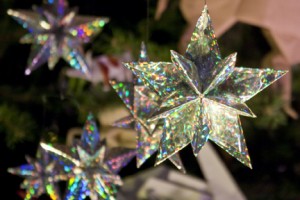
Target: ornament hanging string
(147,21)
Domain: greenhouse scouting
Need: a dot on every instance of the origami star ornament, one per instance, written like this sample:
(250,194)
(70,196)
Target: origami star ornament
(56,32)
(41,175)
(94,166)
(142,103)
(203,95)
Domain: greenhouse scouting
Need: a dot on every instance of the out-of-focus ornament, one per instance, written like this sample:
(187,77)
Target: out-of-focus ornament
(282,36)
(94,167)
(142,103)
(104,68)
(203,95)
(41,176)
(55,32)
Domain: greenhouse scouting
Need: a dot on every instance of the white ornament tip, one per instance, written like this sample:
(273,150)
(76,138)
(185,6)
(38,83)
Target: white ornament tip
(27,72)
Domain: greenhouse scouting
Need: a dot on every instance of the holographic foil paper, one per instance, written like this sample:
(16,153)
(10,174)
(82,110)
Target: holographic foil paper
(203,95)
(142,103)
(55,32)
(94,166)
(41,176)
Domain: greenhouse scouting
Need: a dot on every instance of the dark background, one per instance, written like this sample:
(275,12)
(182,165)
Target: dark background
(34,106)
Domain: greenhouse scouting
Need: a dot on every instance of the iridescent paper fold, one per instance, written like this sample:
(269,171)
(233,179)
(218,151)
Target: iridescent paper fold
(94,167)
(142,103)
(203,95)
(41,175)
(55,32)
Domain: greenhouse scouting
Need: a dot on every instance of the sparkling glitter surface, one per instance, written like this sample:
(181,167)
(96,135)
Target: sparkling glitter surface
(41,176)
(203,95)
(143,103)
(94,167)
(55,32)
(90,138)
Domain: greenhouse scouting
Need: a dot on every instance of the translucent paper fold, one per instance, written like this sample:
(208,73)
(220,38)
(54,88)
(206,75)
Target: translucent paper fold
(203,95)
(142,104)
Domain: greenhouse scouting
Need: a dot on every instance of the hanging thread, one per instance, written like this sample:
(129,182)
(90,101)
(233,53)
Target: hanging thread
(147,21)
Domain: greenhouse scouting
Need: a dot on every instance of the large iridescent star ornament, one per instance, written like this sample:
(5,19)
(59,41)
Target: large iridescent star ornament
(55,31)
(41,176)
(94,167)
(203,95)
(142,103)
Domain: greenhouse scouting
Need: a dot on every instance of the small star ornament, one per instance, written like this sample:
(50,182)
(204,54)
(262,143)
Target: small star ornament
(41,176)
(55,32)
(203,95)
(94,167)
(142,103)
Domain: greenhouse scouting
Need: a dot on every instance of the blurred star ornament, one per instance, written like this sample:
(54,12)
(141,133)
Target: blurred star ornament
(142,103)
(56,32)
(94,166)
(41,175)
(203,95)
